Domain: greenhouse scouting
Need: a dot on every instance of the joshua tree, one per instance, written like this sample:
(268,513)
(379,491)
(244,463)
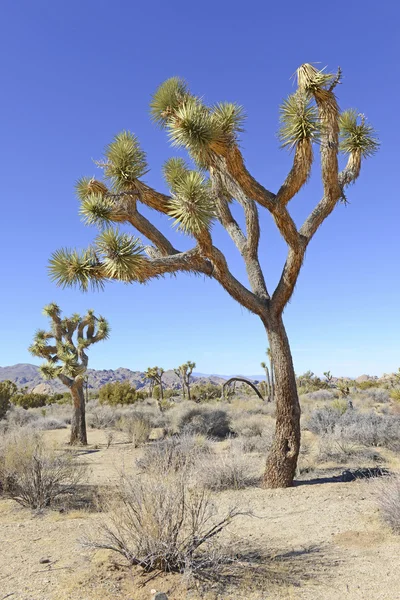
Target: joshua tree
(154,376)
(267,381)
(184,373)
(203,196)
(72,336)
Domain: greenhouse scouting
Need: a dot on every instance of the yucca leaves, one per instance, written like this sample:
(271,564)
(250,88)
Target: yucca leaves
(51,310)
(97,210)
(87,186)
(72,268)
(103,328)
(167,99)
(192,127)
(174,170)
(299,120)
(228,118)
(49,370)
(356,135)
(125,161)
(122,255)
(191,205)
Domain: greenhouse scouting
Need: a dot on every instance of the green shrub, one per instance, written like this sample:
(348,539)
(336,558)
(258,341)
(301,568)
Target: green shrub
(395,395)
(30,400)
(7,391)
(365,385)
(119,392)
(208,391)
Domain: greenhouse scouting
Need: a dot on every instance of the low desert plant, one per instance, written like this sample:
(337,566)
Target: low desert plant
(32,473)
(231,470)
(118,392)
(395,395)
(323,420)
(7,390)
(175,454)
(211,422)
(387,493)
(136,427)
(101,417)
(161,524)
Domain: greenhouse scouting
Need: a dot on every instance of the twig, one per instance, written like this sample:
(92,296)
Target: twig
(48,571)
(8,595)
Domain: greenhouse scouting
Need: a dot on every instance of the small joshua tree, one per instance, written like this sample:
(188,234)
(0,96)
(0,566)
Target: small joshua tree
(154,376)
(267,381)
(8,389)
(202,197)
(184,373)
(66,357)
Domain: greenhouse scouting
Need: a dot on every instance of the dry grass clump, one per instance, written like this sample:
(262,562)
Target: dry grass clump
(250,425)
(136,427)
(230,470)
(162,524)
(175,454)
(32,473)
(387,493)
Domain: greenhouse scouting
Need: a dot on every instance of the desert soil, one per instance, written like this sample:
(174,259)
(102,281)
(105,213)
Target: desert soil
(320,541)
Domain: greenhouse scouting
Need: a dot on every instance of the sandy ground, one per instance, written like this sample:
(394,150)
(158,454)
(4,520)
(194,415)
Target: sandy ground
(324,541)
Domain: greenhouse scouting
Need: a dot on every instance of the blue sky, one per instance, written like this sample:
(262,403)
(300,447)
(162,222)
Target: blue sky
(76,73)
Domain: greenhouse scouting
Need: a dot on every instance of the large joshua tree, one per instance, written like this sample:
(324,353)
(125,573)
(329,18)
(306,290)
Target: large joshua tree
(66,357)
(203,196)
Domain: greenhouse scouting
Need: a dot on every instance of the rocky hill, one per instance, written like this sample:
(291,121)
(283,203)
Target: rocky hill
(26,375)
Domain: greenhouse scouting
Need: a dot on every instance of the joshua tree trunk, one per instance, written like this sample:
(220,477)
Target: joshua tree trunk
(282,460)
(78,423)
(267,384)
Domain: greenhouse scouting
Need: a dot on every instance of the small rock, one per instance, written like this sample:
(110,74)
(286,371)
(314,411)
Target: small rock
(44,561)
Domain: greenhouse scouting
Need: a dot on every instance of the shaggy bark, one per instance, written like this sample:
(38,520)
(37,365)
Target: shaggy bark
(78,422)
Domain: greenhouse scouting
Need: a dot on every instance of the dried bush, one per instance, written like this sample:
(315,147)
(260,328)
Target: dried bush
(257,443)
(161,523)
(211,422)
(323,420)
(387,493)
(249,425)
(101,417)
(369,429)
(321,395)
(33,474)
(136,427)
(47,424)
(176,454)
(231,470)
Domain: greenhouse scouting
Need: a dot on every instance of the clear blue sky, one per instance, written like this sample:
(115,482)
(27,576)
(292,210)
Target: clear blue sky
(75,73)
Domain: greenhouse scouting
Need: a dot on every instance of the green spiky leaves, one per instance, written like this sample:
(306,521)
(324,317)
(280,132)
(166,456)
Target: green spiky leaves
(174,171)
(97,210)
(299,120)
(51,310)
(357,136)
(167,99)
(121,256)
(228,118)
(72,268)
(191,205)
(125,161)
(49,370)
(87,186)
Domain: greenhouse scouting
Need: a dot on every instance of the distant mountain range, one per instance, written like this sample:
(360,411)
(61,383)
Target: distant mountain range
(26,375)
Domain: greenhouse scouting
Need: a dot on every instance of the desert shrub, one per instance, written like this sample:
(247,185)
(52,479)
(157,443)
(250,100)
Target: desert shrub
(387,493)
(30,400)
(340,405)
(231,470)
(33,474)
(323,420)
(249,425)
(7,391)
(175,454)
(20,417)
(368,384)
(308,382)
(101,417)
(118,392)
(205,421)
(205,392)
(161,523)
(322,395)
(256,443)
(395,395)
(137,428)
(369,429)
(375,394)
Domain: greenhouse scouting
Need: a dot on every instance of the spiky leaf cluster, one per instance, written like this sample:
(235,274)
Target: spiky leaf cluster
(174,171)
(125,161)
(228,118)
(167,99)
(87,186)
(97,210)
(299,120)
(193,128)
(82,269)
(356,135)
(191,205)
(51,310)
(49,370)
(121,255)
